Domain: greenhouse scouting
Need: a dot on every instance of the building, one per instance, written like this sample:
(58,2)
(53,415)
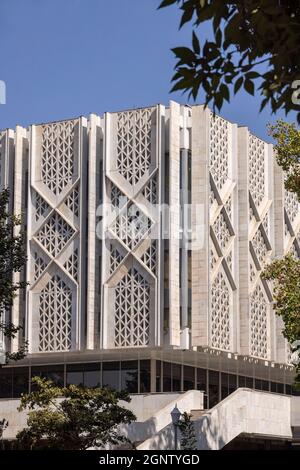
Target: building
(147,232)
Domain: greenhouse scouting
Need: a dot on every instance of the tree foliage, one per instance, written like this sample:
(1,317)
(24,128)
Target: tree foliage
(12,260)
(287,149)
(285,273)
(72,418)
(188,439)
(246,34)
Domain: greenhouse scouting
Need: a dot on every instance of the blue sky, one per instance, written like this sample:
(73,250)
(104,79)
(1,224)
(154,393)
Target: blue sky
(64,58)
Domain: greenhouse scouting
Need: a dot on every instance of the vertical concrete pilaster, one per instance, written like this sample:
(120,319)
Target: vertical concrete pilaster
(200,226)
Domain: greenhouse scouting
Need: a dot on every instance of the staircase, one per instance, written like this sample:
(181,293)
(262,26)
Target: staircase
(247,412)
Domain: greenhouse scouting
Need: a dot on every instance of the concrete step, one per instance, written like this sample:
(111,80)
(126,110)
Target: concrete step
(196,414)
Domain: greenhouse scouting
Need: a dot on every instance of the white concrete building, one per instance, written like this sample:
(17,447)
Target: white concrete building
(127,288)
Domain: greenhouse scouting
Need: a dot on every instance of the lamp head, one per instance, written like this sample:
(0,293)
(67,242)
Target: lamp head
(175,415)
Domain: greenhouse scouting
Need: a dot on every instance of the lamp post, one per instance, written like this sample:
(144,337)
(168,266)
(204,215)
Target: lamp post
(175,415)
(3,426)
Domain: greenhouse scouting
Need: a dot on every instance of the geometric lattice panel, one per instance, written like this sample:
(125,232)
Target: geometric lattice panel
(115,258)
(212,198)
(150,190)
(229,260)
(256,169)
(57,162)
(55,234)
(132,310)
(72,201)
(134,144)
(221,231)
(253,270)
(228,207)
(258,324)
(220,313)
(218,150)
(213,256)
(260,247)
(251,213)
(55,315)
(118,199)
(71,265)
(265,224)
(39,266)
(41,206)
(149,258)
(291,205)
(131,225)
(294,251)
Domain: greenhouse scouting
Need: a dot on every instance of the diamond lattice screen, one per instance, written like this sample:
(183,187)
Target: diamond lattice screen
(131,225)
(55,246)
(134,144)
(55,316)
(291,205)
(55,234)
(72,201)
(260,248)
(71,265)
(150,190)
(150,257)
(39,266)
(57,162)
(222,237)
(221,231)
(220,313)
(132,311)
(115,258)
(41,207)
(219,151)
(257,169)
(258,324)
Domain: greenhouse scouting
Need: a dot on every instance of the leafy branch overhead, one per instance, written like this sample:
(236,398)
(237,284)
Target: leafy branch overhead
(254,43)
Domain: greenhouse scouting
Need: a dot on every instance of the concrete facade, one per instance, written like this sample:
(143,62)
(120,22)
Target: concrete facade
(113,276)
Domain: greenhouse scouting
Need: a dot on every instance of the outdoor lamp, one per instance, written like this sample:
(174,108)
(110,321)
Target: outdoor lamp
(175,415)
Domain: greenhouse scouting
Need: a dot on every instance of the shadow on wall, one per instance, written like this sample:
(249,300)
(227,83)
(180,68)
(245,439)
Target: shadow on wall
(165,439)
(207,431)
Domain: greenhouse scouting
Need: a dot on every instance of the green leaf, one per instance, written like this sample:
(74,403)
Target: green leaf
(187,15)
(252,75)
(196,44)
(238,84)
(206,86)
(263,104)
(181,85)
(225,92)
(219,101)
(215,80)
(218,37)
(166,3)
(249,87)
(185,54)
